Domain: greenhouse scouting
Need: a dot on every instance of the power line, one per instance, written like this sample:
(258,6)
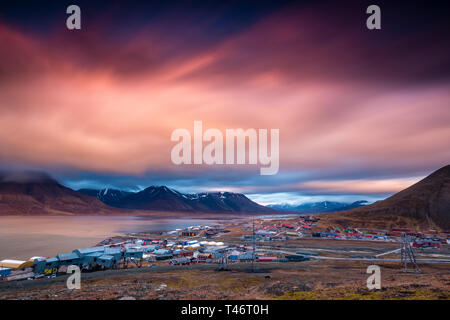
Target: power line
(407,256)
(253,244)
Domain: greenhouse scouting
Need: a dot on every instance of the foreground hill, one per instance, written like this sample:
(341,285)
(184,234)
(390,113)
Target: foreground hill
(166,199)
(425,204)
(38,194)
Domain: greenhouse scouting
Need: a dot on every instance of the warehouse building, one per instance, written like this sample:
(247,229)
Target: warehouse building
(189,233)
(50,265)
(180,261)
(105,257)
(297,258)
(246,257)
(91,258)
(117,253)
(4,272)
(66,259)
(16,264)
(106,261)
(86,251)
(163,257)
(133,253)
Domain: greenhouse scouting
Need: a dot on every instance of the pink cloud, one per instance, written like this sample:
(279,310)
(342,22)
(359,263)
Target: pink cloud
(113,108)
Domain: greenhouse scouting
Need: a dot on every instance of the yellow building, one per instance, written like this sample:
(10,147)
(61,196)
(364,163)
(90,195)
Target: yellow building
(189,233)
(17,264)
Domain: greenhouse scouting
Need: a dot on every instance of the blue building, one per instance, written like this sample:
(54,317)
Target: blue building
(87,258)
(67,259)
(163,257)
(50,265)
(91,258)
(116,252)
(134,253)
(162,252)
(106,261)
(85,251)
(4,272)
(246,257)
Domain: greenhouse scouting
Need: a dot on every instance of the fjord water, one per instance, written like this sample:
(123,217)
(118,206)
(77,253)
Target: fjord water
(23,237)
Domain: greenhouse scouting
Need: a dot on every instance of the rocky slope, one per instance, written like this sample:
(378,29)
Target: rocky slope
(425,203)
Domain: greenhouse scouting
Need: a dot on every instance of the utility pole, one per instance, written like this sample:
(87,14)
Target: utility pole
(253,244)
(223,261)
(407,256)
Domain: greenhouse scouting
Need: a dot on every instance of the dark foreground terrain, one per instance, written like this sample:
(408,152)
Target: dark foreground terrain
(306,280)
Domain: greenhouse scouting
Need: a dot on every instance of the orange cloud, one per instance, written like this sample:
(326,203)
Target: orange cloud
(114,108)
(360,186)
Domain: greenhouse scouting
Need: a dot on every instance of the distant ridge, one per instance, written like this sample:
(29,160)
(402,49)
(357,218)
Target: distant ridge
(319,207)
(425,203)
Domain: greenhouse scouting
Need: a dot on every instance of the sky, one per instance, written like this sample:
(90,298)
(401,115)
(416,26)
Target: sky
(362,113)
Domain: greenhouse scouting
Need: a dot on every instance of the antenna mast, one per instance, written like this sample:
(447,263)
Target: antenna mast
(253,244)
(407,256)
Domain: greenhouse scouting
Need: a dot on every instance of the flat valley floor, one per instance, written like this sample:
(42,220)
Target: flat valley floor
(332,274)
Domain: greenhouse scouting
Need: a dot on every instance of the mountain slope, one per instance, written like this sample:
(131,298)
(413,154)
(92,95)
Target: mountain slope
(167,199)
(154,198)
(37,193)
(111,197)
(228,202)
(425,203)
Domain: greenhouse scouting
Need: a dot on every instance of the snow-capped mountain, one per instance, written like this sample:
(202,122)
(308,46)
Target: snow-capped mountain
(108,196)
(164,198)
(318,207)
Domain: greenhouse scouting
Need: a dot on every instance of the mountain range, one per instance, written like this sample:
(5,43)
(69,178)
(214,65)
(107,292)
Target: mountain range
(167,199)
(424,204)
(319,207)
(36,193)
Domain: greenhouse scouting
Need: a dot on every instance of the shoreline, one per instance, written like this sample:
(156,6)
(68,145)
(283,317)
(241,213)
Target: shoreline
(22,237)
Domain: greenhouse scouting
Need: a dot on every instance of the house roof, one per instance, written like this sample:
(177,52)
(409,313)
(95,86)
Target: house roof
(113,250)
(95,254)
(15,264)
(90,250)
(161,251)
(106,257)
(36,258)
(181,260)
(67,256)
